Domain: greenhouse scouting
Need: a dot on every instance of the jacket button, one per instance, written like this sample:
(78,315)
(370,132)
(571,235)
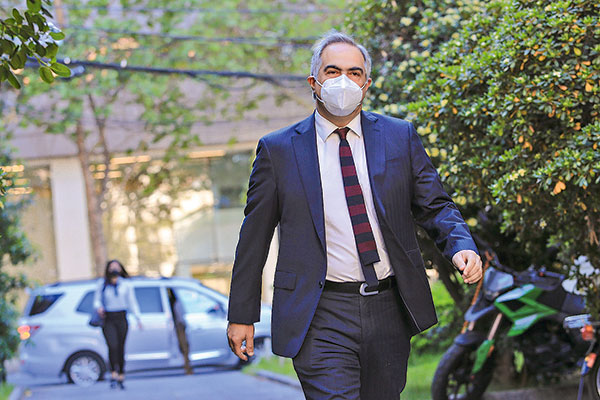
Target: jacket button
(321,284)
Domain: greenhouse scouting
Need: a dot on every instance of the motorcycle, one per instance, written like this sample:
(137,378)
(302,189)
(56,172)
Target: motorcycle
(527,308)
(590,367)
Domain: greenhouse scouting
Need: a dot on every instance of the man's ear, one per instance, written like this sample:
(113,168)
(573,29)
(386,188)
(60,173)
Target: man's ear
(313,86)
(312,82)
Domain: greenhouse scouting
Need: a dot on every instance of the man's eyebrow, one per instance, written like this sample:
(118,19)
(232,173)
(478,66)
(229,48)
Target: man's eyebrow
(339,69)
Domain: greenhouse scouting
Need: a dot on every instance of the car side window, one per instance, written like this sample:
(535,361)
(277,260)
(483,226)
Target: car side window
(86,305)
(42,302)
(194,302)
(149,299)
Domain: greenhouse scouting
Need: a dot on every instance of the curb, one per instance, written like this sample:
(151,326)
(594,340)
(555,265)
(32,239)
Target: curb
(286,380)
(17,393)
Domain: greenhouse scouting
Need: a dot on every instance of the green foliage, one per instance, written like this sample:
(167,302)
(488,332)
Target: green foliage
(508,107)
(166,112)
(27,34)
(401,36)
(15,248)
(2,188)
(171,106)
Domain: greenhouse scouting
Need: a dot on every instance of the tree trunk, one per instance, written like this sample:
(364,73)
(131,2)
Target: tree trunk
(93,199)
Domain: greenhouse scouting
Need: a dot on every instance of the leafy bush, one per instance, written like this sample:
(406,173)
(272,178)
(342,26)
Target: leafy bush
(401,37)
(15,248)
(508,108)
(514,101)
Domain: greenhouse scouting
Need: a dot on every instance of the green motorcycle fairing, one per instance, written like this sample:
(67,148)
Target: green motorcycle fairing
(481,355)
(530,312)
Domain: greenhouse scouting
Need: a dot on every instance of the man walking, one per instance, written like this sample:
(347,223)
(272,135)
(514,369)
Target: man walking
(346,188)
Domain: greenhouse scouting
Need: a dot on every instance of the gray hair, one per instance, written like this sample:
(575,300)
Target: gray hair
(332,37)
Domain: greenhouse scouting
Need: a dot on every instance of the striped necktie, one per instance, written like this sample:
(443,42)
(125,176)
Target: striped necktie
(363,234)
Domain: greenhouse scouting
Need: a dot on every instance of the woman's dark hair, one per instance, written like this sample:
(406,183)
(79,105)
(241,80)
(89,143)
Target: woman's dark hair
(123,273)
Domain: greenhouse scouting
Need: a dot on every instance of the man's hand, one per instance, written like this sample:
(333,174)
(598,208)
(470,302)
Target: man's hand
(469,264)
(236,334)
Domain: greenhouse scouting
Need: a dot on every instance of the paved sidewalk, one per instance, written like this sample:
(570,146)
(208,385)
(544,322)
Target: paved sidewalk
(224,385)
(218,385)
(566,391)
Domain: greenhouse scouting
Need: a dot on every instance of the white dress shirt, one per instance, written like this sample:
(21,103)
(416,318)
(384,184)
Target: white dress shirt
(343,263)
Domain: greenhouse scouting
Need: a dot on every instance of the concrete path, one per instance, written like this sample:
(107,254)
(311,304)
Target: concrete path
(220,385)
(560,392)
(217,385)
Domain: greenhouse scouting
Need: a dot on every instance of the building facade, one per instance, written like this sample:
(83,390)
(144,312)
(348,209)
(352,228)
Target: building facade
(187,226)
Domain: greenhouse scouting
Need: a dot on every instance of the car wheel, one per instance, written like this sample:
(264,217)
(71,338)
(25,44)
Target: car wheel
(85,368)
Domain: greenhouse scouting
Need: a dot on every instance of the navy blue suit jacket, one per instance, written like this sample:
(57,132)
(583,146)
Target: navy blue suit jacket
(285,189)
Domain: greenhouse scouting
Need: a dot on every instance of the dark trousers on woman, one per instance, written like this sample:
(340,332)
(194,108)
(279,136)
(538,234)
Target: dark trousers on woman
(115,332)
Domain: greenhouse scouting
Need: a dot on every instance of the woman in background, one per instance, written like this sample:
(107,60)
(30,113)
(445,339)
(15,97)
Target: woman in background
(113,299)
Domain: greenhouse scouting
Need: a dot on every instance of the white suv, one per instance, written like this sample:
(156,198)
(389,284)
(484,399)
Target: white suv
(56,338)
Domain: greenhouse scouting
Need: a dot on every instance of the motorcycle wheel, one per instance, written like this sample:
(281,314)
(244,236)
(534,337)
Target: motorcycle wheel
(593,381)
(453,379)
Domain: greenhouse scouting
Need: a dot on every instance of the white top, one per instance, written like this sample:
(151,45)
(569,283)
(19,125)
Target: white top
(343,263)
(121,299)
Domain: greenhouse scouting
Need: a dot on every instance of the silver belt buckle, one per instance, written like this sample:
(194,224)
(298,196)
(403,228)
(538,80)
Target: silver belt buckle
(364,293)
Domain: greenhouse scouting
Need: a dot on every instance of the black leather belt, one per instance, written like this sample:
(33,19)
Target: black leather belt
(359,287)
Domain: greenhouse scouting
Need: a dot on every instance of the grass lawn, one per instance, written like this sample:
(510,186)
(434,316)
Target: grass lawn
(5,391)
(275,364)
(420,373)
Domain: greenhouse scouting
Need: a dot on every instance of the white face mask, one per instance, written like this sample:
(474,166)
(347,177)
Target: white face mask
(340,95)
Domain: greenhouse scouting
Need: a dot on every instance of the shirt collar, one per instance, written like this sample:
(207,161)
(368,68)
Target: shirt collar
(324,127)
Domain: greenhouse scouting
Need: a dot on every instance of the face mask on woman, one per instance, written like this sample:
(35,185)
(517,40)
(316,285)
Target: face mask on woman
(340,95)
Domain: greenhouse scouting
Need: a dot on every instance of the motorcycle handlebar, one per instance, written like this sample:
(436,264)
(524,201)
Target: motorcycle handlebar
(540,277)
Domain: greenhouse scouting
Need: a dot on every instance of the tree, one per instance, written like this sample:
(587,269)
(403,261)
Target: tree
(515,102)
(233,35)
(26,35)
(510,106)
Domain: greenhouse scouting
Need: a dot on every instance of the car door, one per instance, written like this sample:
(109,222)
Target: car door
(206,326)
(150,346)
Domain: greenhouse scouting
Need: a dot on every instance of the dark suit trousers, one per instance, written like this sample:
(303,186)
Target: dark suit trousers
(357,347)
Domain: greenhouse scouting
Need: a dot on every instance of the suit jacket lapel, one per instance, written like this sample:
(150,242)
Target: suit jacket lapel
(375,152)
(305,150)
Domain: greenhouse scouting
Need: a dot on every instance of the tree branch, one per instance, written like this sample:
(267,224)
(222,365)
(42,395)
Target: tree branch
(101,125)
